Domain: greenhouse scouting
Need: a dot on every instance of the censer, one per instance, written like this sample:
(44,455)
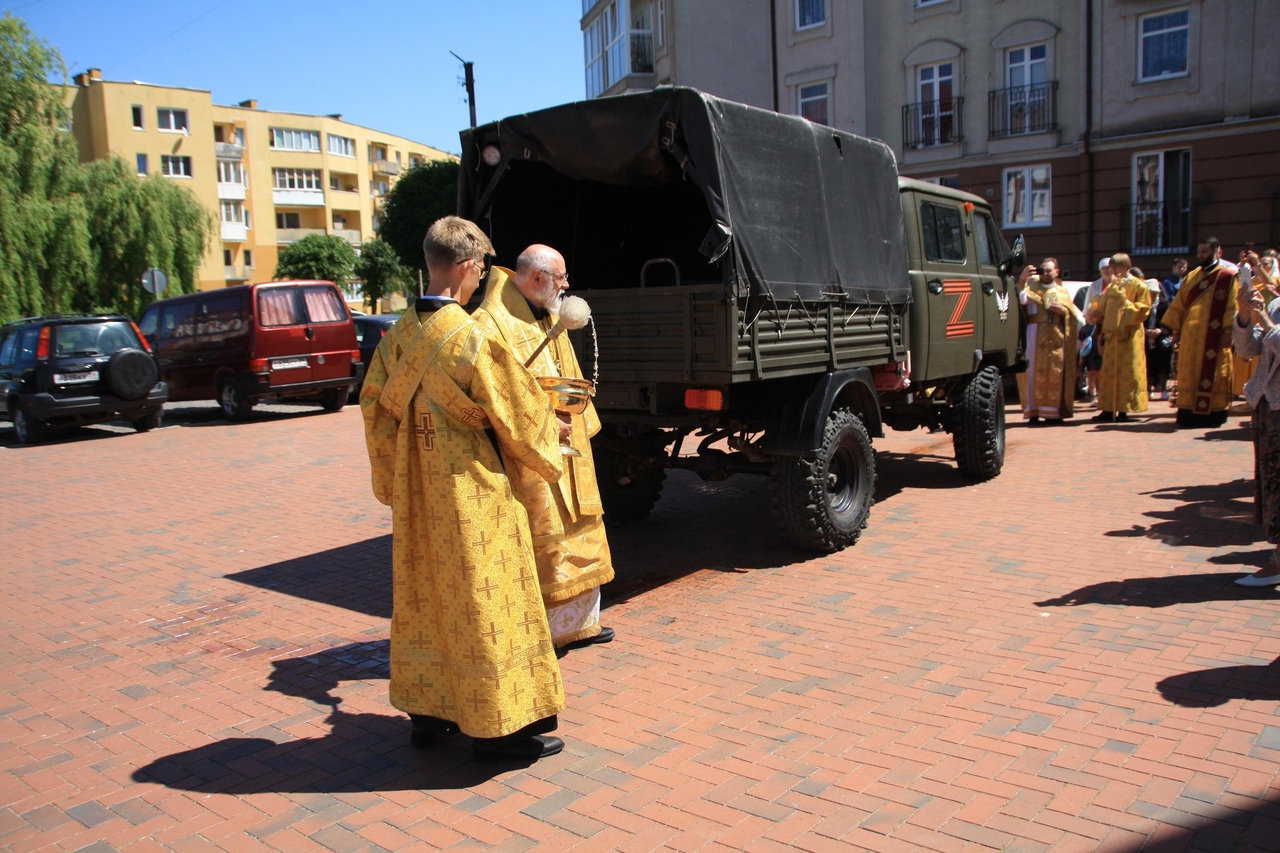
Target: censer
(569,395)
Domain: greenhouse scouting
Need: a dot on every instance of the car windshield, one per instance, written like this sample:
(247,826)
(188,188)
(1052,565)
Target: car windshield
(102,338)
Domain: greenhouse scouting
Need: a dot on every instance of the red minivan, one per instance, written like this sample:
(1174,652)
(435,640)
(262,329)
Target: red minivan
(253,342)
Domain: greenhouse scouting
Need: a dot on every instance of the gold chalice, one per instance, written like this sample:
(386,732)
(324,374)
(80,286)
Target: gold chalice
(569,396)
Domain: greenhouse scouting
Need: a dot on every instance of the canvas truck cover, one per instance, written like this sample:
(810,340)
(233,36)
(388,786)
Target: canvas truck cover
(808,212)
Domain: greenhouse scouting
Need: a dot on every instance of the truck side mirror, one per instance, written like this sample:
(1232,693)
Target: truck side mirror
(1018,259)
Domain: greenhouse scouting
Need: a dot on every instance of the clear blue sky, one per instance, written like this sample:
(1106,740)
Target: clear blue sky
(382,65)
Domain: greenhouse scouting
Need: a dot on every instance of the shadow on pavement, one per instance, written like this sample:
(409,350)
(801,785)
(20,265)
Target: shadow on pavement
(362,752)
(1211,516)
(1198,826)
(1209,688)
(355,576)
(1162,591)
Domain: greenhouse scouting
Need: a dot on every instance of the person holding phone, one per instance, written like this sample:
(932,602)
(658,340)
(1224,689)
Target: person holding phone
(1051,344)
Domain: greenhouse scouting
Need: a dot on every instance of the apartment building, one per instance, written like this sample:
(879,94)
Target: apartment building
(268,178)
(1093,127)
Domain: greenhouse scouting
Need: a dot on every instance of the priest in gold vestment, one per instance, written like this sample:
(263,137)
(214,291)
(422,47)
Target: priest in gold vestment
(1051,345)
(566,516)
(470,646)
(1200,318)
(1122,310)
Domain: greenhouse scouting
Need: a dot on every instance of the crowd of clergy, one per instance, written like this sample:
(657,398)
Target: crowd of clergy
(1213,329)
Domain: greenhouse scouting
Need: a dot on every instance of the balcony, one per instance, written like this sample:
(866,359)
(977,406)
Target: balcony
(235,273)
(228,150)
(1159,228)
(1022,110)
(298,198)
(351,236)
(642,53)
(234,232)
(231,192)
(293,235)
(929,124)
(386,167)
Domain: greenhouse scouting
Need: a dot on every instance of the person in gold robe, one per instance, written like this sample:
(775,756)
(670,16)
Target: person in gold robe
(1121,310)
(470,646)
(1051,345)
(566,516)
(1200,319)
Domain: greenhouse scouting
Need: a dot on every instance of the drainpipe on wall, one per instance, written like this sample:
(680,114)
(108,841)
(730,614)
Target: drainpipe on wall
(1088,130)
(773,49)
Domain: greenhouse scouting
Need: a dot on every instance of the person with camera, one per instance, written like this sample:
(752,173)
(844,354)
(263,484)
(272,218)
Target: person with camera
(1121,314)
(1051,344)
(1256,333)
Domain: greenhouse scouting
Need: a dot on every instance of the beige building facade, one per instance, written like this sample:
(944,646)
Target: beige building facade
(267,178)
(1094,127)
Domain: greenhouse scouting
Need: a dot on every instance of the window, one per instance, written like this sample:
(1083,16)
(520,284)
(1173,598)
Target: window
(988,240)
(233,211)
(641,38)
(952,181)
(813,103)
(278,306)
(137,117)
(240,136)
(1161,217)
(333,182)
(378,187)
(170,119)
(605,50)
(296,179)
(342,146)
(142,164)
(230,172)
(248,258)
(323,304)
(1028,196)
(247,223)
(810,13)
(662,23)
(226,257)
(1162,45)
(288,220)
(936,119)
(174,166)
(943,232)
(295,140)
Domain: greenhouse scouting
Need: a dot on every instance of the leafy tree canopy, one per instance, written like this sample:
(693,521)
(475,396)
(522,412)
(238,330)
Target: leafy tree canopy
(321,256)
(380,271)
(421,196)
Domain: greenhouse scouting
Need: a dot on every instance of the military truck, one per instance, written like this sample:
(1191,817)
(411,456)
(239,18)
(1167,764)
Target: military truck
(765,284)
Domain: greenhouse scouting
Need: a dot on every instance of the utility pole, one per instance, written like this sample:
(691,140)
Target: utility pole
(469,81)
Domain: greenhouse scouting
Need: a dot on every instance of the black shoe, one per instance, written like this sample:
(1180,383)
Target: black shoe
(526,749)
(1054,421)
(605,636)
(1122,418)
(1034,420)
(1104,417)
(425,728)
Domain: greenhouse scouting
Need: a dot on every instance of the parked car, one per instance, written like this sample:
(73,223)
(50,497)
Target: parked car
(73,370)
(252,342)
(369,331)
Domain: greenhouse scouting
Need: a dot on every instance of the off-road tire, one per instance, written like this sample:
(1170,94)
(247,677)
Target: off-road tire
(627,492)
(235,406)
(131,373)
(27,430)
(335,398)
(148,421)
(822,502)
(978,425)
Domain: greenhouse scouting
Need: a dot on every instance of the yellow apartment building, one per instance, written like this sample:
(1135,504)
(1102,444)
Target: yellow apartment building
(268,178)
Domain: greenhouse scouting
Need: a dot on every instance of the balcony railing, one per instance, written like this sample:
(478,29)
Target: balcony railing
(234,232)
(228,150)
(1021,110)
(231,192)
(931,123)
(235,273)
(351,235)
(1157,228)
(386,167)
(642,53)
(293,235)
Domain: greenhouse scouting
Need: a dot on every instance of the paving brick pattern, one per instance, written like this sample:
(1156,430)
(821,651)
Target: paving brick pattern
(194,637)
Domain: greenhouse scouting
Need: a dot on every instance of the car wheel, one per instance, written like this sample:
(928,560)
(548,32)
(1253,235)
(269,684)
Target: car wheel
(334,399)
(131,373)
(150,420)
(234,404)
(28,431)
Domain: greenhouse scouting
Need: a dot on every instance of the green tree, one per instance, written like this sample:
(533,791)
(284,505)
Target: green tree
(421,196)
(321,256)
(380,271)
(77,237)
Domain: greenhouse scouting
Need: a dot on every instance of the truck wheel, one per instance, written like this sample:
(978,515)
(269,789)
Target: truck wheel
(628,488)
(233,402)
(823,502)
(27,430)
(978,426)
(335,398)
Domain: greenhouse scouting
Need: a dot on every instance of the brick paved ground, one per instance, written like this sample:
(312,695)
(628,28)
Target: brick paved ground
(193,648)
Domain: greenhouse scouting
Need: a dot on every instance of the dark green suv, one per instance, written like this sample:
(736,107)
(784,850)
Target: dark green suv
(73,370)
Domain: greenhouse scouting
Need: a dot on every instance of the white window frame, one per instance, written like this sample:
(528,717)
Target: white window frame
(282,220)
(935,84)
(232,172)
(294,139)
(345,147)
(802,100)
(167,120)
(1164,242)
(1029,198)
(297,179)
(1142,43)
(247,254)
(139,117)
(660,33)
(820,22)
(143,167)
(168,161)
(233,211)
